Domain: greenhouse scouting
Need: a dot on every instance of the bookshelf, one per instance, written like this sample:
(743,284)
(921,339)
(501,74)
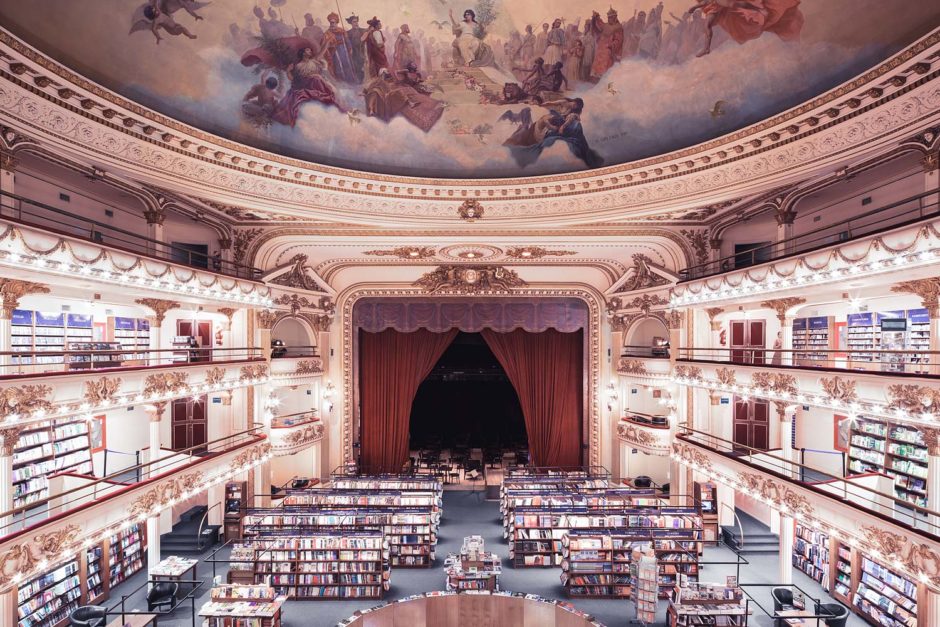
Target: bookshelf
(344,499)
(707,604)
(536,535)
(243,606)
(125,553)
(894,449)
(132,334)
(594,500)
(236,493)
(883,597)
(706,497)
(862,336)
(842,573)
(411,532)
(48,448)
(96,355)
(401,483)
(918,338)
(94,581)
(811,551)
(643,574)
(597,563)
(47,600)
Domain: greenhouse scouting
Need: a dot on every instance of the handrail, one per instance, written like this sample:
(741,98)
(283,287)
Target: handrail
(737,518)
(651,425)
(289,351)
(785,469)
(276,421)
(127,240)
(204,517)
(814,240)
(639,350)
(151,469)
(909,361)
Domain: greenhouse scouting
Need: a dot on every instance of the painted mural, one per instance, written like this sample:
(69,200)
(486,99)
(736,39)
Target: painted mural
(475,88)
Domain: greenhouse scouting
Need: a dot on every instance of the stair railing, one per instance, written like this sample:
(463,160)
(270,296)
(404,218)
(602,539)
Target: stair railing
(199,530)
(740,524)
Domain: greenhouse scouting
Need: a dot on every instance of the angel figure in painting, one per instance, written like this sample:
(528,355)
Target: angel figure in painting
(158,14)
(260,102)
(745,20)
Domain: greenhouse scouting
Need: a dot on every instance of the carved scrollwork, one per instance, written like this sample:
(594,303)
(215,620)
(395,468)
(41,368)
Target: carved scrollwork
(777,492)
(469,279)
(775,382)
(159,307)
(266,318)
(25,400)
(640,437)
(164,383)
(159,497)
(215,376)
(913,398)
(255,371)
(917,559)
(309,366)
(23,558)
(688,372)
(726,376)
(691,455)
(631,366)
(839,389)
(104,389)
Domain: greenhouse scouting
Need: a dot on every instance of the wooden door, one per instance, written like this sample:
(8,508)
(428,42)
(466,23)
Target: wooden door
(738,341)
(751,427)
(189,425)
(757,340)
(748,341)
(184,328)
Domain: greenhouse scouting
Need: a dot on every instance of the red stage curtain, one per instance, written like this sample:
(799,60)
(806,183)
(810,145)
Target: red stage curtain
(545,369)
(391,367)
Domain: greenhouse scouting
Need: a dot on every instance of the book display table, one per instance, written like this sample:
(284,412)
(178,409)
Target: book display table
(472,568)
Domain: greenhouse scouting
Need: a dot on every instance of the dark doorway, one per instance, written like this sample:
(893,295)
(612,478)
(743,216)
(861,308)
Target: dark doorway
(751,424)
(467,402)
(189,424)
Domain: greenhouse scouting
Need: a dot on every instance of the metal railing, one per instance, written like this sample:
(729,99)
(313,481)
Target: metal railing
(32,362)
(41,215)
(120,608)
(645,420)
(901,213)
(905,361)
(286,421)
(287,351)
(660,352)
(851,492)
(103,488)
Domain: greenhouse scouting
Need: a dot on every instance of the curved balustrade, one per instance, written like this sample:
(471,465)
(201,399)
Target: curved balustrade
(291,433)
(918,362)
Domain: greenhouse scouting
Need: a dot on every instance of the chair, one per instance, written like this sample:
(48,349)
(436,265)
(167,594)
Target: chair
(88,616)
(839,614)
(162,593)
(783,600)
(642,482)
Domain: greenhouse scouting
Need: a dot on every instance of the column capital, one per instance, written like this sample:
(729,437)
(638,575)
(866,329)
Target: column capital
(783,305)
(265,318)
(927,289)
(225,243)
(712,312)
(160,307)
(785,217)
(12,290)
(155,411)
(154,216)
(8,161)
(9,436)
(930,161)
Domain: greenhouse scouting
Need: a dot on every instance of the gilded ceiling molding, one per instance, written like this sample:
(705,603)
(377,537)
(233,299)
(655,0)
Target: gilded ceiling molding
(470,210)
(25,400)
(631,366)
(927,289)
(159,307)
(643,276)
(698,242)
(102,391)
(593,356)
(164,383)
(790,140)
(160,496)
(470,280)
(12,290)
(536,252)
(782,306)
(404,252)
(253,372)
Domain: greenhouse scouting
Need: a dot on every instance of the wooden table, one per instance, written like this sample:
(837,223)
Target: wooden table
(807,616)
(173,568)
(134,619)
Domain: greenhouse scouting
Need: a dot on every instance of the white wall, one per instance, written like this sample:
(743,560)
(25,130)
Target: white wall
(306,463)
(634,463)
(642,334)
(292,332)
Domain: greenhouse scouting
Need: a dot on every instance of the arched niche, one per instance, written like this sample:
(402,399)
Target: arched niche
(293,332)
(643,331)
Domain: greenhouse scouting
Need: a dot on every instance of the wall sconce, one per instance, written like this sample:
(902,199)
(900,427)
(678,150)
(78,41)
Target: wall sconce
(327,394)
(611,396)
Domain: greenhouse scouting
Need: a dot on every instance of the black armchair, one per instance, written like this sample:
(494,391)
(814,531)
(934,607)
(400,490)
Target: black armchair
(782,597)
(162,594)
(839,614)
(88,616)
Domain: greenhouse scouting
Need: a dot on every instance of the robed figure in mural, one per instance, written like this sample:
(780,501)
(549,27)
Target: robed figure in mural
(375,47)
(747,20)
(561,123)
(338,51)
(387,97)
(469,47)
(609,47)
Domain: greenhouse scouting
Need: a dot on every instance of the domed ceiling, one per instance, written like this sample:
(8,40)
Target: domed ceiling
(479,89)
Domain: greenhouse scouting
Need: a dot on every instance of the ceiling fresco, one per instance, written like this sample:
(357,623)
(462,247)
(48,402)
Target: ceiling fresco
(475,89)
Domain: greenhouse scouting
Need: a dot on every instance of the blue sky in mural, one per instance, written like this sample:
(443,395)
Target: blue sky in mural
(431,89)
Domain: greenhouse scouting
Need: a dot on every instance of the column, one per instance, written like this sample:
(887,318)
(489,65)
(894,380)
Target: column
(929,612)
(929,292)
(156,340)
(6,330)
(785,218)
(930,162)
(8,164)
(8,439)
(785,573)
(262,484)
(785,419)
(715,333)
(8,607)
(714,250)
(264,320)
(155,219)
(160,308)
(153,543)
(674,318)
(215,495)
(787,338)
(155,414)
(225,252)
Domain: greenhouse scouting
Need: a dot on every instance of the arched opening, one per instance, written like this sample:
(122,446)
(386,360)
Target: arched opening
(645,333)
(294,335)
(467,405)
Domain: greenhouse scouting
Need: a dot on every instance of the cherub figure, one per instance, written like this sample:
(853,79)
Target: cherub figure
(260,102)
(158,14)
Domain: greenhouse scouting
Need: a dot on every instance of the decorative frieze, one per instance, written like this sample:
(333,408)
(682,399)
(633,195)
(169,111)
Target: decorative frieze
(160,496)
(159,307)
(309,366)
(470,280)
(726,376)
(215,376)
(404,252)
(164,383)
(688,372)
(782,306)
(253,372)
(632,366)
(774,382)
(102,391)
(839,388)
(913,398)
(12,290)
(24,400)
(34,550)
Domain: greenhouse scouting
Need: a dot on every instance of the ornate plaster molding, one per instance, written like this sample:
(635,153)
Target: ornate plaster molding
(654,441)
(159,307)
(857,114)
(404,252)
(296,275)
(631,366)
(160,496)
(461,279)
(27,555)
(783,305)
(839,388)
(164,383)
(308,366)
(253,372)
(12,290)
(103,390)
(25,400)
(536,252)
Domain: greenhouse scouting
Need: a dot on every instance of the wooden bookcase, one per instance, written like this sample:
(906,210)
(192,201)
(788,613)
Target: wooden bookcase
(706,498)
(893,449)
(236,499)
(48,448)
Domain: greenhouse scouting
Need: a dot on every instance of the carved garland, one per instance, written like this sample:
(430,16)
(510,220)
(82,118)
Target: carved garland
(102,390)
(44,547)
(160,496)
(778,492)
(726,376)
(688,372)
(839,389)
(309,366)
(640,437)
(24,400)
(257,371)
(632,366)
(461,279)
(159,306)
(215,376)
(164,383)
(913,398)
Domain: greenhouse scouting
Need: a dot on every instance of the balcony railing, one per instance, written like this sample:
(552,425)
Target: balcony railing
(34,213)
(294,420)
(916,362)
(644,351)
(93,491)
(900,213)
(24,363)
(855,491)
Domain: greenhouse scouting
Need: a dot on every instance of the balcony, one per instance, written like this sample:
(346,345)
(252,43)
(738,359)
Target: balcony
(854,510)
(92,509)
(37,249)
(644,362)
(295,432)
(882,242)
(297,366)
(853,393)
(913,362)
(650,434)
(43,396)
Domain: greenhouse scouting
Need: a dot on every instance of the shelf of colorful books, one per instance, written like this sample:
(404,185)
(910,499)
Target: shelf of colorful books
(125,553)
(883,597)
(893,449)
(811,550)
(45,449)
(707,604)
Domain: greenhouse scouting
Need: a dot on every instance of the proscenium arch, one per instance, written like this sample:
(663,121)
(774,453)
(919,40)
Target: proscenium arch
(592,428)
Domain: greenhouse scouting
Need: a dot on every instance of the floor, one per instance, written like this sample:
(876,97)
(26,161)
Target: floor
(466,513)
